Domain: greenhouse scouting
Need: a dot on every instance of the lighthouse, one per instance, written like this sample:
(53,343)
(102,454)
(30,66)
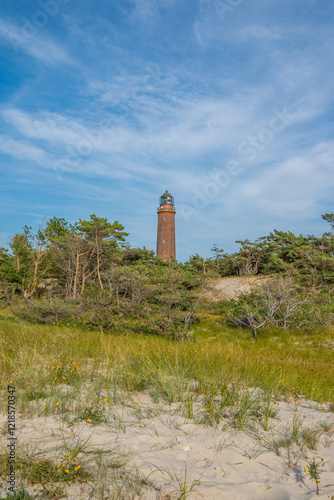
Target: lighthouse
(166,227)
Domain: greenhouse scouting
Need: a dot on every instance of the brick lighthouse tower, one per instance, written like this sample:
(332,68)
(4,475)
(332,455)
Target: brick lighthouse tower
(166,227)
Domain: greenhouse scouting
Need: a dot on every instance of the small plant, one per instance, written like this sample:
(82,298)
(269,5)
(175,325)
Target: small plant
(268,410)
(296,424)
(212,406)
(34,394)
(246,411)
(264,410)
(313,470)
(64,373)
(285,448)
(19,495)
(188,405)
(91,415)
(184,486)
(73,450)
(230,393)
(47,474)
(43,471)
(328,427)
(310,437)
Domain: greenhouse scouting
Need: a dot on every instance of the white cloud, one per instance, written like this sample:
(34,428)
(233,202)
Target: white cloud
(23,151)
(184,129)
(290,189)
(32,41)
(51,127)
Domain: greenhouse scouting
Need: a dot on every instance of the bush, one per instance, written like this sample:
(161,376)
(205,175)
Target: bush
(281,302)
(49,311)
(164,327)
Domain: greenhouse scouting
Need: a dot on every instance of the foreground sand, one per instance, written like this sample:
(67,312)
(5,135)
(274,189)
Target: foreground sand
(178,455)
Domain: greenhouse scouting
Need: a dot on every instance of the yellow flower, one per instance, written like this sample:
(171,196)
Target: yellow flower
(63,465)
(305,469)
(77,468)
(105,399)
(64,378)
(57,404)
(88,419)
(67,471)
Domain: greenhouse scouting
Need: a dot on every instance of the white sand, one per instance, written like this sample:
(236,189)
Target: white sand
(172,451)
(231,288)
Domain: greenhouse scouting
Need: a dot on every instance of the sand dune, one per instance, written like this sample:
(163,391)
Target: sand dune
(178,454)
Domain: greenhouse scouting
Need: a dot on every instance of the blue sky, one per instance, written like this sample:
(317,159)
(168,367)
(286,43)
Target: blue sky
(227,104)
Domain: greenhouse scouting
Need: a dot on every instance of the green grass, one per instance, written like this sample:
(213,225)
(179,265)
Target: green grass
(79,375)
(20,495)
(50,475)
(39,359)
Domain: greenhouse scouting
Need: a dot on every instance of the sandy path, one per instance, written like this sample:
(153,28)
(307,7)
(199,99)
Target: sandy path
(230,288)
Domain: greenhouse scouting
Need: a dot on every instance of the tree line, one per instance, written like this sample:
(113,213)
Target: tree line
(88,269)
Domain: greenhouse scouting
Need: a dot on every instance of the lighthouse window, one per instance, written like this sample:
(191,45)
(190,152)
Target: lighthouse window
(164,240)
(164,217)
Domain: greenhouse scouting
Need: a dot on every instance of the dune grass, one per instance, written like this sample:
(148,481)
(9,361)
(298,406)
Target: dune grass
(40,358)
(80,375)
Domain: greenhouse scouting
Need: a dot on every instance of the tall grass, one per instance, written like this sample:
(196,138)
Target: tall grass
(39,357)
(79,375)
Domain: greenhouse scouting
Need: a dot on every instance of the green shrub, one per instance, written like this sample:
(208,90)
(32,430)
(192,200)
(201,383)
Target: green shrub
(49,311)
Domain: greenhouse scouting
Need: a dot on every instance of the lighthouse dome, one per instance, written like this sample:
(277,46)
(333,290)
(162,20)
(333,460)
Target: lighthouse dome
(166,198)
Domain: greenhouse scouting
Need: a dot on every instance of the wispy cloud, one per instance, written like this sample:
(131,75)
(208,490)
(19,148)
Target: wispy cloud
(289,188)
(127,99)
(33,42)
(192,128)
(23,151)
(51,127)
